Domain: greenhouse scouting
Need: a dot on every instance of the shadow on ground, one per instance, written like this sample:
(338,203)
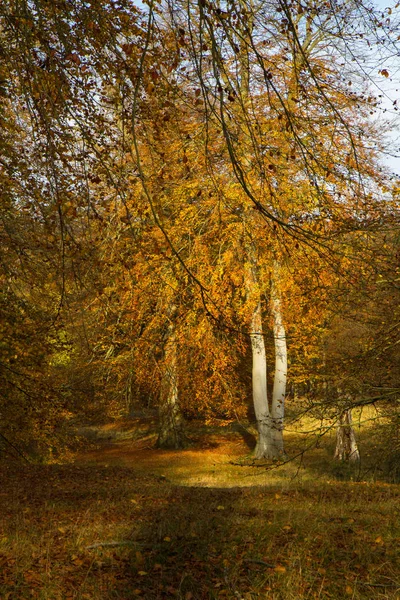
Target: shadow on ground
(101,532)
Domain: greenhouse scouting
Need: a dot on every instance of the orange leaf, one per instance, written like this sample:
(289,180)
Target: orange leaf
(280,569)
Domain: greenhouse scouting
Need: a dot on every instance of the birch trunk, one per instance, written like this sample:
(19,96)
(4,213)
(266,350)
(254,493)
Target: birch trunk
(346,444)
(171,430)
(263,447)
(280,376)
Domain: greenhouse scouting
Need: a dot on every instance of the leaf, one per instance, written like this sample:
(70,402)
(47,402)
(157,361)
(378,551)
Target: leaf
(73,57)
(280,569)
(384,72)
(220,507)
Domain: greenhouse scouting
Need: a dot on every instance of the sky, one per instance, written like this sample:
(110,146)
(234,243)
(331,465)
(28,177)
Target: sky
(389,88)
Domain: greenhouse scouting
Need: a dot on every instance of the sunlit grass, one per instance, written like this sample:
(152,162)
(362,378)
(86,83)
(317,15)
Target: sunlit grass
(203,523)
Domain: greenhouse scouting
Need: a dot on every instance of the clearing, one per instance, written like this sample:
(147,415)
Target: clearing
(122,520)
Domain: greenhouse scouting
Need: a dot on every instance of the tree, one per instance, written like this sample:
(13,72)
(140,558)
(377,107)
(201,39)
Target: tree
(176,153)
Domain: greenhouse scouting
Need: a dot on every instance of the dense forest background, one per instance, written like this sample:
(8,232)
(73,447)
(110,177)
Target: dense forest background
(189,193)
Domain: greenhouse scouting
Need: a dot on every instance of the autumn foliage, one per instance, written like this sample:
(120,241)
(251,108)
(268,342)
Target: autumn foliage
(164,171)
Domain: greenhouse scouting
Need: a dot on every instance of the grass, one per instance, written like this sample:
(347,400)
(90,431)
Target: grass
(198,524)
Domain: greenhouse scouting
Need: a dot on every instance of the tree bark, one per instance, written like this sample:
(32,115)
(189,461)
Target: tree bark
(280,376)
(346,444)
(171,426)
(263,447)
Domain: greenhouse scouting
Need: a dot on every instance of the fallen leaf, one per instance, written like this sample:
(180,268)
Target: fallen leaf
(280,569)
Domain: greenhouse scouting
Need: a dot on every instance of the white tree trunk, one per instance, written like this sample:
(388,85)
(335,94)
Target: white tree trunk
(346,444)
(259,382)
(280,376)
(171,430)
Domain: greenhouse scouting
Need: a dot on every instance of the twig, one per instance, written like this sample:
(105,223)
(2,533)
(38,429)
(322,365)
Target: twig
(15,448)
(111,544)
(259,562)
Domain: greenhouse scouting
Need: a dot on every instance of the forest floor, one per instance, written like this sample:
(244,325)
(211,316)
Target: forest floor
(123,520)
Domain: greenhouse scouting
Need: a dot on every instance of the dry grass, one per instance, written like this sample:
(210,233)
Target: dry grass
(199,524)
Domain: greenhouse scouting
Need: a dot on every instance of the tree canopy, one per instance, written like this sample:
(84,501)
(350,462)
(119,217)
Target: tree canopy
(189,189)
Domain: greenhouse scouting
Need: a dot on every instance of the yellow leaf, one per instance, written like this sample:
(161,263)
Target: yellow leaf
(220,507)
(277,496)
(167,539)
(280,569)
(379,540)
(142,573)
(286,528)
(349,590)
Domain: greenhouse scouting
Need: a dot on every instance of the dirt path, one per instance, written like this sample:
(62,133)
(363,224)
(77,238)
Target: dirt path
(211,461)
(217,457)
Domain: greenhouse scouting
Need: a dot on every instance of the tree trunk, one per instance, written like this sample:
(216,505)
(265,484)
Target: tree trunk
(346,445)
(280,376)
(171,427)
(263,447)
